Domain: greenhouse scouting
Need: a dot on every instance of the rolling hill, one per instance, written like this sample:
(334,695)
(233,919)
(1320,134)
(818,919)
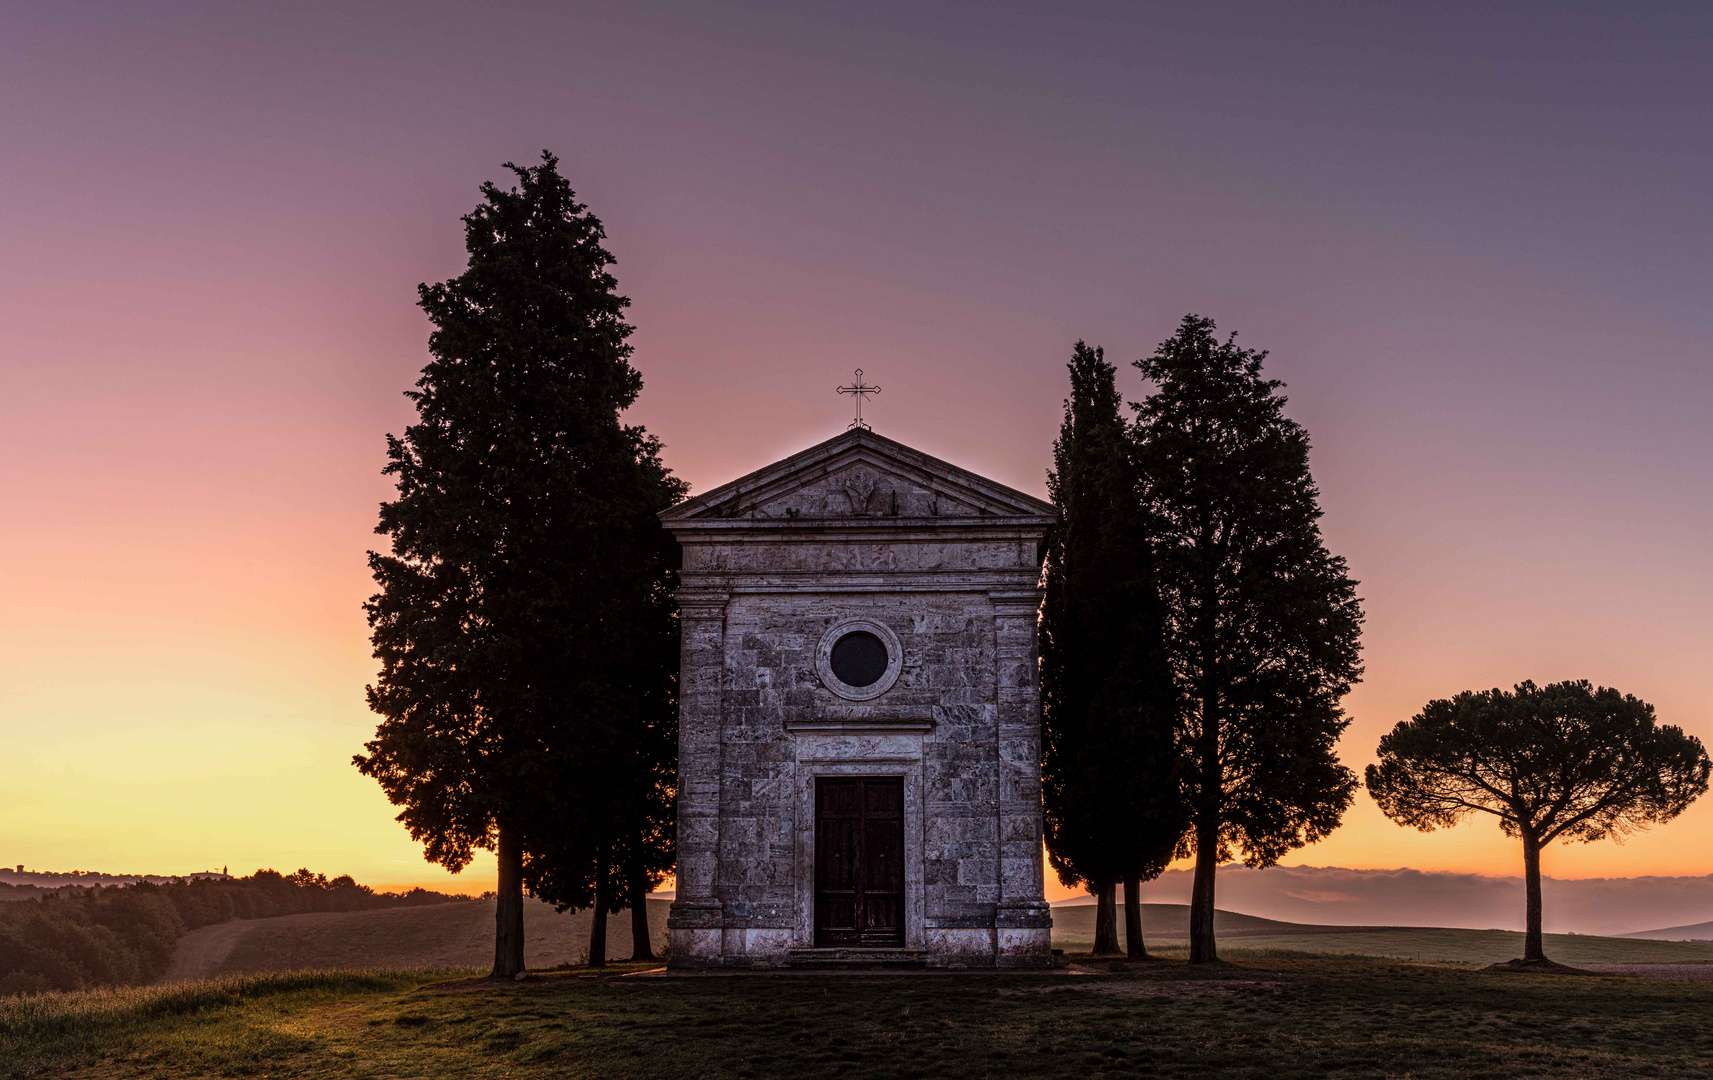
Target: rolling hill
(1695,932)
(442,935)
(461,935)
(1166,929)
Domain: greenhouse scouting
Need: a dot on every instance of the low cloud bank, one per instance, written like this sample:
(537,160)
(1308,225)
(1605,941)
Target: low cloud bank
(1335,895)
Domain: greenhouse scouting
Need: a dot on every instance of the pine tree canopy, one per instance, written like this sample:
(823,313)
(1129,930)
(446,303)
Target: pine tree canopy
(1561,761)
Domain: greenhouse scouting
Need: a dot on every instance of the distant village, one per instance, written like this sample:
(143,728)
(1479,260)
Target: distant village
(27,882)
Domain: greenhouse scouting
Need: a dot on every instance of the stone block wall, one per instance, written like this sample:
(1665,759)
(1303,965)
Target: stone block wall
(770,567)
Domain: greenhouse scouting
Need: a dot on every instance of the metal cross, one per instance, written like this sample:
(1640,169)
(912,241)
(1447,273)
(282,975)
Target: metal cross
(859,391)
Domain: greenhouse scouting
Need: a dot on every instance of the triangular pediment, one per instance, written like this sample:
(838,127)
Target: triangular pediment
(858,476)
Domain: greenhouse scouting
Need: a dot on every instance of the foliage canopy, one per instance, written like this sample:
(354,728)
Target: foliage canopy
(1262,623)
(1561,761)
(525,606)
(1111,803)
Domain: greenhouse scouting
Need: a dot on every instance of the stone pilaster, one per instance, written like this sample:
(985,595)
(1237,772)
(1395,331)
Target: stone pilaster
(1022,920)
(697,917)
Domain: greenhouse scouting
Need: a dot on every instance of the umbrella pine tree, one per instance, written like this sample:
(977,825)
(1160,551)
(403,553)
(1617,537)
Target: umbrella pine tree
(1565,761)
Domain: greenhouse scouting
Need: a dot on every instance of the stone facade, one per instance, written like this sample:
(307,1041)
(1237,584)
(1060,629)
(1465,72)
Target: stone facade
(862,534)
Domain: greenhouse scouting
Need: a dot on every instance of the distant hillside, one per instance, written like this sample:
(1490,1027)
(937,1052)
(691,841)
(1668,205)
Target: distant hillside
(1696,932)
(1345,897)
(462,934)
(1165,928)
(442,935)
(75,937)
(1172,920)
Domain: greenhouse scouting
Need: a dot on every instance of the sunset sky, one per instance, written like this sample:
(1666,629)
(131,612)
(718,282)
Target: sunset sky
(1477,242)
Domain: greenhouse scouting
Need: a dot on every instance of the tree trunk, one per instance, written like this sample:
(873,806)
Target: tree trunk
(642,945)
(1134,947)
(1105,920)
(1202,947)
(603,896)
(1532,876)
(508,908)
(1209,800)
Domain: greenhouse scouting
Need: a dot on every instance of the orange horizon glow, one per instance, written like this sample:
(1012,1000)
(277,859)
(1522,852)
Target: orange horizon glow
(187,652)
(234,652)
(1480,264)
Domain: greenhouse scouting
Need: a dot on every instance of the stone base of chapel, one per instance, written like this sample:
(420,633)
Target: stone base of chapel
(774,948)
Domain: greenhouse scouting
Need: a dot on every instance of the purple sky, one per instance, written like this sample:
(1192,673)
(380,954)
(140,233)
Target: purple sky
(1476,240)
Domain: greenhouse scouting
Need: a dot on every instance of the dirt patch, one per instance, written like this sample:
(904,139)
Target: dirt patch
(1536,967)
(201,952)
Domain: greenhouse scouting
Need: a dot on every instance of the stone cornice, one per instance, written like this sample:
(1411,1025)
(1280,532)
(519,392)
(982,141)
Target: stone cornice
(931,530)
(859,727)
(1016,602)
(1013,582)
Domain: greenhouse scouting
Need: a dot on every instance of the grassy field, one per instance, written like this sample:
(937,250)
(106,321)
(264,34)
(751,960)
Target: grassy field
(1165,927)
(439,936)
(1461,946)
(1274,1019)
(461,935)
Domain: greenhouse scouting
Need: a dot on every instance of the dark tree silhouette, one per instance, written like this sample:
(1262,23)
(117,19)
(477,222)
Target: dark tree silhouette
(1262,623)
(519,607)
(646,821)
(1550,762)
(646,862)
(609,839)
(646,824)
(1111,801)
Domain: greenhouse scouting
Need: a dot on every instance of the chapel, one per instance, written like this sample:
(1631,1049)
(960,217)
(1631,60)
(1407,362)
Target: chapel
(860,716)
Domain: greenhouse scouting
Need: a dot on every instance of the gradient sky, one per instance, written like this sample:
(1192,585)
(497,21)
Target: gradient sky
(1476,240)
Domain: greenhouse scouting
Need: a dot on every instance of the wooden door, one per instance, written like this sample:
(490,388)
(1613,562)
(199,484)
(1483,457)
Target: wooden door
(859,861)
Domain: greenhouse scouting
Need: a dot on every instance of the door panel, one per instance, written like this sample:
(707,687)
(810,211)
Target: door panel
(859,861)
(839,853)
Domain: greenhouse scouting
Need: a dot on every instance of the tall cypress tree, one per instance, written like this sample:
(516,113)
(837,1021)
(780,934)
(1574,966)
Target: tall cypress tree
(1112,808)
(1262,622)
(520,608)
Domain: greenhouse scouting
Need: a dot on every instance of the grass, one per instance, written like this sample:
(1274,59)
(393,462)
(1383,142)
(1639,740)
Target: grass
(1486,946)
(42,1031)
(1276,1018)
(1446,946)
(462,934)
(440,935)
(1165,926)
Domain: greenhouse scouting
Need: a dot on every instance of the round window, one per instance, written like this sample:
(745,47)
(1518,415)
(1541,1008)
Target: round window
(859,659)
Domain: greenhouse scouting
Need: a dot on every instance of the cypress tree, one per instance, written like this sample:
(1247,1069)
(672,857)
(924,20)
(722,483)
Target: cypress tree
(1262,623)
(520,611)
(1111,803)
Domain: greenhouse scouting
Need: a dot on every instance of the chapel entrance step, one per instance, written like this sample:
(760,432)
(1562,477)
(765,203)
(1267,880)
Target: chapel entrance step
(858,958)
